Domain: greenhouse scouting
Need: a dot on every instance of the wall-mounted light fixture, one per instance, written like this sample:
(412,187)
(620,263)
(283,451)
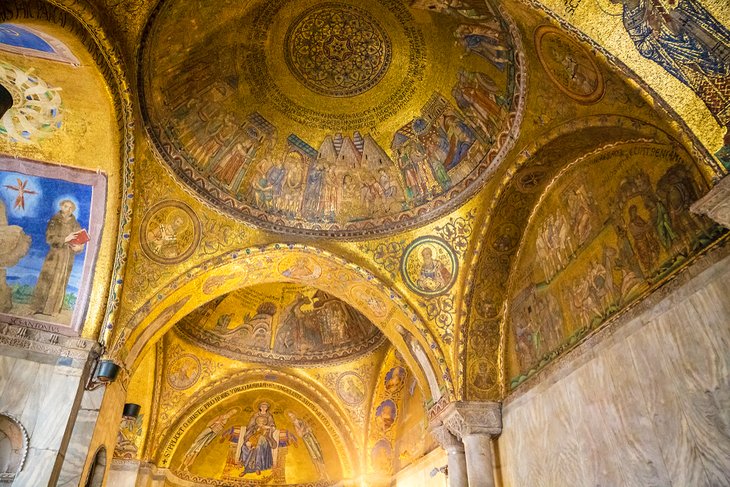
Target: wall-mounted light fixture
(131,410)
(105,371)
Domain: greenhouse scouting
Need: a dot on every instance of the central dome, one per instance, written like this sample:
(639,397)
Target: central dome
(337,50)
(341,119)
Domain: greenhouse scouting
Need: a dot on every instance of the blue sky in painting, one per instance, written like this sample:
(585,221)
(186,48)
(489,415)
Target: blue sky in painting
(17,36)
(39,208)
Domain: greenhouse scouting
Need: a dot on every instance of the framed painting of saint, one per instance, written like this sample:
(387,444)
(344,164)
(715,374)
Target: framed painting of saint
(51,219)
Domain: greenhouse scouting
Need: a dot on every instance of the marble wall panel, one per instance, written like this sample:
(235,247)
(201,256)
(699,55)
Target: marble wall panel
(43,396)
(38,468)
(419,473)
(645,405)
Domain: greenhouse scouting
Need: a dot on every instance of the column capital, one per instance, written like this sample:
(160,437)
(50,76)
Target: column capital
(716,203)
(464,418)
(446,439)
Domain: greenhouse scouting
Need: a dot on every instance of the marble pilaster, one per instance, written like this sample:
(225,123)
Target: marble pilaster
(716,203)
(123,473)
(78,445)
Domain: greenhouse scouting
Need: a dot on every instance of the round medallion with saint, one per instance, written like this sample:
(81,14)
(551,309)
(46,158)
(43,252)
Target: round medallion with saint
(429,266)
(568,65)
(171,232)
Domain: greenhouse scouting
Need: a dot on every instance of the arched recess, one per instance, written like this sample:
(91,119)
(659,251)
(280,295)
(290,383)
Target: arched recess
(96,473)
(13,447)
(491,270)
(78,20)
(298,264)
(239,398)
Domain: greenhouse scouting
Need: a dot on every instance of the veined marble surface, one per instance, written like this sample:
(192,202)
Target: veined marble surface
(648,405)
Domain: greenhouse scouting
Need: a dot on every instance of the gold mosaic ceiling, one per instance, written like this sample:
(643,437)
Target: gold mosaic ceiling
(342,118)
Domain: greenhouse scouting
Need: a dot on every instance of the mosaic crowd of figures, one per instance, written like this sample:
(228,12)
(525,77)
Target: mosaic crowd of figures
(347,178)
(301,324)
(596,251)
(251,159)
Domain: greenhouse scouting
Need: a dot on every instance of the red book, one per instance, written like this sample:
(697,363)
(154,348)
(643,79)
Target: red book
(81,238)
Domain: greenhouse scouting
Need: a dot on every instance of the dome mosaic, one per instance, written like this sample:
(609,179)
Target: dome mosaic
(340,119)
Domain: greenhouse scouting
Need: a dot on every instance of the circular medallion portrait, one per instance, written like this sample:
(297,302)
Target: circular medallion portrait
(429,266)
(351,388)
(386,414)
(170,232)
(184,372)
(394,379)
(570,66)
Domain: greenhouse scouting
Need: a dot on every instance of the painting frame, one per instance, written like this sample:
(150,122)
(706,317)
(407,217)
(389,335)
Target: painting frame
(98,182)
(59,51)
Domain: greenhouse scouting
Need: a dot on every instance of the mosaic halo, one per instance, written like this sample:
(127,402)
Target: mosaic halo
(429,266)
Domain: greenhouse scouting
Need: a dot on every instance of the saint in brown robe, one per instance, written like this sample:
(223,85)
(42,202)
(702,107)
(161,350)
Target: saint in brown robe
(51,286)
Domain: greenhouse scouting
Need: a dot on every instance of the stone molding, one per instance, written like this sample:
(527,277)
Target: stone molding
(46,342)
(716,203)
(464,418)
(435,411)
(125,464)
(446,439)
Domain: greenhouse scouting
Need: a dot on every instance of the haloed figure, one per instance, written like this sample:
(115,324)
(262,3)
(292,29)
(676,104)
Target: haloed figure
(689,43)
(62,234)
(209,433)
(310,442)
(259,443)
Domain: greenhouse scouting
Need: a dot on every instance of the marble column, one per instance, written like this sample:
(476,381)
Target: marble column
(476,424)
(716,203)
(455,454)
